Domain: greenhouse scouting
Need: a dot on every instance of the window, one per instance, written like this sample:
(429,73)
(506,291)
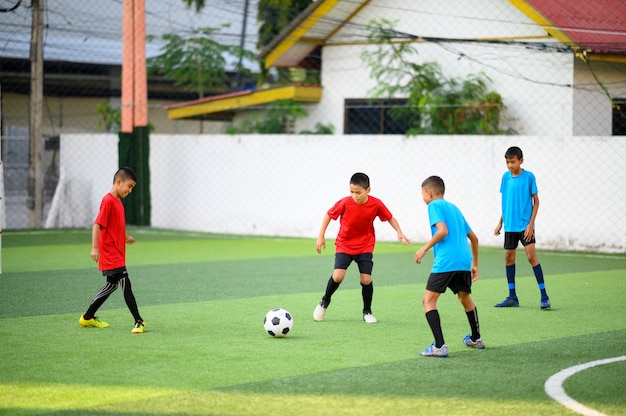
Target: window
(364,116)
(619,117)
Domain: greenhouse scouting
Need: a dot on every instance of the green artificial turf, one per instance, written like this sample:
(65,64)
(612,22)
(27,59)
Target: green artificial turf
(204,296)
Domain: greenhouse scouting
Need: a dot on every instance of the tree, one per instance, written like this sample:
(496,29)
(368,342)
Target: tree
(198,63)
(199,4)
(278,117)
(320,129)
(274,16)
(435,104)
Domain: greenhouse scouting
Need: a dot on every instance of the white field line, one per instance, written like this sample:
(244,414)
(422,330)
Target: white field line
(554,386)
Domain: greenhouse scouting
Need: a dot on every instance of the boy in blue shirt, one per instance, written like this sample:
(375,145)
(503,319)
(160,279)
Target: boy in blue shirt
(454,266)
(520,204)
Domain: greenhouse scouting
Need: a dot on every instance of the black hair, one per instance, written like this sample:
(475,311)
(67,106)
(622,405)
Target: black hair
(124,174)
(514,151)
(360,179)
(435,183)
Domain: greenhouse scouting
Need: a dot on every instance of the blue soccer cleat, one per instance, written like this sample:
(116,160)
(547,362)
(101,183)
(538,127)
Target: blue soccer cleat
(478,344)
(509,302)
(433,351)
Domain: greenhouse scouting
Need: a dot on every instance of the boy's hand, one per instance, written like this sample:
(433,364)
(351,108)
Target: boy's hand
(130,239)
(475,273)
(419,255)
(95,254)
(320,244)
(497,230)
(403,239)
(529,233)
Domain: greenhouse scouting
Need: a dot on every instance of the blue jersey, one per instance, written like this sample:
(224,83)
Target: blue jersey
(452,253)
(517,200)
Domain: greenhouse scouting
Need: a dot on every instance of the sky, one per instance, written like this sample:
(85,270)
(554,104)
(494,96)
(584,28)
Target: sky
(91,30)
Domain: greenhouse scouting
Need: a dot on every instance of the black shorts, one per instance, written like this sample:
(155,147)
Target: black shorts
(460,281)
(512,239)
(363,260)
(114,276)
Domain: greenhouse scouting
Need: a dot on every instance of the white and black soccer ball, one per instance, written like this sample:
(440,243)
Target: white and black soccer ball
(278,322)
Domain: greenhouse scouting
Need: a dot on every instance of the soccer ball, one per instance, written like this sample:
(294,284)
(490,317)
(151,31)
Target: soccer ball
(278,322)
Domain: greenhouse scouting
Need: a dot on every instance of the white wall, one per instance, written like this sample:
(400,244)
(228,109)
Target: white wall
(282,185)
(87,164)
(534,85)
(592,100)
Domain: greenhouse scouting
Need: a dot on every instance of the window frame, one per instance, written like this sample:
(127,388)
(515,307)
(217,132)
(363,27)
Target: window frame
(383,116)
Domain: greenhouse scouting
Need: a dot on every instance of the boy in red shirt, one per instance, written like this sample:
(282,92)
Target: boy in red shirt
(109,239)
(355,241)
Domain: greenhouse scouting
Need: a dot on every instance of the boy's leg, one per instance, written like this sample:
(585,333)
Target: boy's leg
(511,300)
(434,321)
(436,285)
(366,265)
(367,291)
(510,279)
(129,297)
(510,272)
(432,316)
(331,287)
(101,296)
(472,314)
(531,254)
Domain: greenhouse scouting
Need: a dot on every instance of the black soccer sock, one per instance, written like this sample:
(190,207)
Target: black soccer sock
(331,288)
(435,326)
(472,317)
(129,297)
(510,278)
(367,291)
(538,271)
(99,299)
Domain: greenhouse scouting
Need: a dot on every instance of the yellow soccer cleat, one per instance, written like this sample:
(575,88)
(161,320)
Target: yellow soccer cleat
(139,328)
(95,322)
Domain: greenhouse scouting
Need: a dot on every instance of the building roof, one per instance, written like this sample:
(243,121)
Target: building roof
(312,28)
(591,27)
(221,107)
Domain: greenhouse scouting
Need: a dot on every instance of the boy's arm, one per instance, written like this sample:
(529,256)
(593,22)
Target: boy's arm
(321,239)
(498,227)
(474,247)
(529,233)
(442,231)
(95,233)
(396,226)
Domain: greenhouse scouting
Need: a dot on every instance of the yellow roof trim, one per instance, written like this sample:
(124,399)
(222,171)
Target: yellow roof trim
(300,31)
(229,102)
(602,57)
(340,26)
(543,21)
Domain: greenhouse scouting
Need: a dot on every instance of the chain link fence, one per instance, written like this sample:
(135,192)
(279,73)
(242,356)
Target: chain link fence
(281,185)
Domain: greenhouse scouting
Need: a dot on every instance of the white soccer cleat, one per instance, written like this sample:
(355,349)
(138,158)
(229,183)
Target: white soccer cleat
(369,318)
(319,312)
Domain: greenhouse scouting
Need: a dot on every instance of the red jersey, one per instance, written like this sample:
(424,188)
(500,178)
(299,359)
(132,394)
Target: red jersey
(112,238)
(356,229)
